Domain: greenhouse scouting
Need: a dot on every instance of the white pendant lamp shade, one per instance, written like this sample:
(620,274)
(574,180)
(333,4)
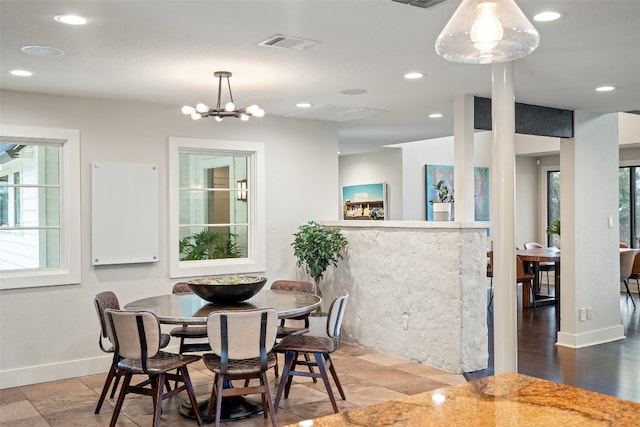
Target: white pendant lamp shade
(487,32)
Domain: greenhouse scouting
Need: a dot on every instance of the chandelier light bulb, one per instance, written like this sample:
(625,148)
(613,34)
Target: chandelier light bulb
(486,31)
(202,108)
(188,110)
(229,106)
(244,117)
(218,118)
(259,113)
(252,109)
(196,116)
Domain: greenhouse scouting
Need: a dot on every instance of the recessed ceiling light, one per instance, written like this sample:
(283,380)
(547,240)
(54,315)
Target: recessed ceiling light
(605,88)
(303,105)
(21,73)
(70,19)
(548,16)
(435,115)
(353,91)
(413,75)
(41,51)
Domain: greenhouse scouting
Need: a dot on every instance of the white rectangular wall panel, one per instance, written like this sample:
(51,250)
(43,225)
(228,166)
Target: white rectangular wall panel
(124,213)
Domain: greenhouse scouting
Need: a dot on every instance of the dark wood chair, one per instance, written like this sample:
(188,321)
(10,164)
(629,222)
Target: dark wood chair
(490,276)
(635,271)
(293,286)
(136,338)
(526,278)
(241,343)
(320,348)
(103,301)
(192,338)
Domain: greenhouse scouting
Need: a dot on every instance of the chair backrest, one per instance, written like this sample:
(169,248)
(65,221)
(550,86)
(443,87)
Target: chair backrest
(135,334)
(103,301)
(248,333)
(623,245)
(293,286)
(636,265)
(181,288)
(532,245)
(335,316)
(627,257)
(521,275)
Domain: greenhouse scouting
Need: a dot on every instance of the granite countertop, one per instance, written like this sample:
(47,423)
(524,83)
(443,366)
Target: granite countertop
(503,400)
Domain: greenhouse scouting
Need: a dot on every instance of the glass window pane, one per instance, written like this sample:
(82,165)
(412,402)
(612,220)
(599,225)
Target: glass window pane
(29,249)
(553,201)
(213,243)
(625,205)
(40,207)
(637,207)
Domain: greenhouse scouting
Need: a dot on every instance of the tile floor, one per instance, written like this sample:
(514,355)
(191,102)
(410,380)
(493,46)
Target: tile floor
(367,377)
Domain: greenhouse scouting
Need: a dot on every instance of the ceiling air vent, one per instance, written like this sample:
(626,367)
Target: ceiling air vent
(288,42)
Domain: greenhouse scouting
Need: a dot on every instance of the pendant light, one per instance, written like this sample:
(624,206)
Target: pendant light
(487,32)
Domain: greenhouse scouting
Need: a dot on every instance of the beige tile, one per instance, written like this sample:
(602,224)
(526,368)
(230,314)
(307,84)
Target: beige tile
(10,395)
(17,410)
(415,385)
(383,375)
(27,422)
(38,391)
(76,399)
(419,369)
(84,417)
(384,359)
(374,395)
(449,379)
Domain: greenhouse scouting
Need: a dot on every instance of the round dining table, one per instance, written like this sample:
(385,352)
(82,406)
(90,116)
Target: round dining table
(190,309)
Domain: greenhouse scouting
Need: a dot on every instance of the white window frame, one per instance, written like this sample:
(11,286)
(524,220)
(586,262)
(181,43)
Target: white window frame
(256,250)
(69,271)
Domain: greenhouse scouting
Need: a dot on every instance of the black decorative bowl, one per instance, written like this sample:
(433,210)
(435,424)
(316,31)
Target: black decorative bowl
(227,289)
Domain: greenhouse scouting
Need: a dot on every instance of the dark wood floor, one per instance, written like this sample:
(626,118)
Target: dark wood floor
(612,368)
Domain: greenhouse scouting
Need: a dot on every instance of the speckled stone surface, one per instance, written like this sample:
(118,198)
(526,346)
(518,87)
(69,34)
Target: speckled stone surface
(418,290)
(502,400)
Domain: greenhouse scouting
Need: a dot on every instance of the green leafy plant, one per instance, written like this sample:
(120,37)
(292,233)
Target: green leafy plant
(554,228)
(444,193)
(317,247)
(209,245)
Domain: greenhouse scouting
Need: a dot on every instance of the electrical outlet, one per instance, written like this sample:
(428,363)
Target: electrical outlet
(583,314)
(589,310)
(610,222)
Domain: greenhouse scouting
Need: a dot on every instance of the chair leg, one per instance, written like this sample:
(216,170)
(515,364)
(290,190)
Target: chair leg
(325,379)
(213,398)
(288,361)
(157,398)
(123,392)
(626,285)
(219,399)
(334,374)
(184,372)
(267,394)
(107,384)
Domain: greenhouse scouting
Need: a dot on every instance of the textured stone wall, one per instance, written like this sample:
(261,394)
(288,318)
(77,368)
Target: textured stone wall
(417,290)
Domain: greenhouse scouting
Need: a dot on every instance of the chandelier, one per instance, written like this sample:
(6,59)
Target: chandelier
(220,112)
(487,32)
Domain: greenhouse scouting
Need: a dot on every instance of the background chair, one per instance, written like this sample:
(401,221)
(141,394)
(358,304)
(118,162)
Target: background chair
(635,271)
(241,343)
(526,278)
(103,301)
(136,337)
(490,276)
(543,266)
(186,332)
(627,259)
(320,348)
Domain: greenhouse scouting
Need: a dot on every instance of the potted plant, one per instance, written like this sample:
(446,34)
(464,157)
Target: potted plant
(442,204)
(317,247)
(554,229)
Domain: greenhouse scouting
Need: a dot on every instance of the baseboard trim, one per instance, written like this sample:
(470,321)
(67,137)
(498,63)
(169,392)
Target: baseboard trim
(57,371)
(599,336)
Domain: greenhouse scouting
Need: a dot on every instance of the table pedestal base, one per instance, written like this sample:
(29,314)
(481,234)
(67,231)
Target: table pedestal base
(233,408)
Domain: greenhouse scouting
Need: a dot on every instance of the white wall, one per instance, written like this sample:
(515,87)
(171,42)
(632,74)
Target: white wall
(51,333)
(374,167)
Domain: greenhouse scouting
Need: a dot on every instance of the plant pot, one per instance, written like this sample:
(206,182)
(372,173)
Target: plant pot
(442,212)
(556,243)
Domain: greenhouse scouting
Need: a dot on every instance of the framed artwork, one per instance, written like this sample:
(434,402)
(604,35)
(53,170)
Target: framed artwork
(435,173)
(364,202)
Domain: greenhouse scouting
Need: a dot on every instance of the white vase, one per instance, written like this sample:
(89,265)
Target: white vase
(442,211)
(556,242)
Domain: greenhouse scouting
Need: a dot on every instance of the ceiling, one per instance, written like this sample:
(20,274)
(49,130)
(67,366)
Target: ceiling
(166,51)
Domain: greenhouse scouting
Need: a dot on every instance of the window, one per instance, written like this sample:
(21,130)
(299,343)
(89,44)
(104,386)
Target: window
(216,207)
(629,203)
(39,207)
